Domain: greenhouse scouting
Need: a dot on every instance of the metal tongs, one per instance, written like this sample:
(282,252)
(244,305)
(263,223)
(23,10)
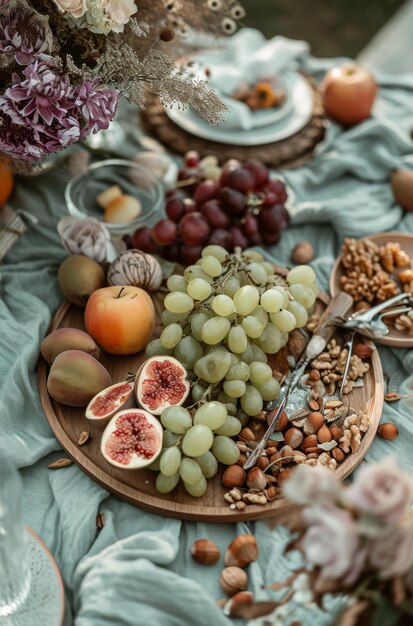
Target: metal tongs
(369,324)
(332,317)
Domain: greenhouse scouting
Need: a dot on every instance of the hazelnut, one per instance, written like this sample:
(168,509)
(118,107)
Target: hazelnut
(271,493)
(285,474)
(234,606)
(309,442)
(362,306)
(241,551)
(314,375)
(363,350)
(263,462)
(336,432)
(388,431)
(324,434)
(338,454)
(246,434)
(293,437)
(242,460)
(233,579)
(256,479)
(205,552)
(313,423)
(282,420)
(303,253)
(233,476)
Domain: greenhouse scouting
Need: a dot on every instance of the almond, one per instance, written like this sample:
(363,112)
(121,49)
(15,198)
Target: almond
(246,434)
(336,432)
(314,405)
(388,431)
(324,434)
(338,454)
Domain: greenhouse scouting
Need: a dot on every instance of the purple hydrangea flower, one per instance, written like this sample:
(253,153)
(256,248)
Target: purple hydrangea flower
(23,33)
(97,104)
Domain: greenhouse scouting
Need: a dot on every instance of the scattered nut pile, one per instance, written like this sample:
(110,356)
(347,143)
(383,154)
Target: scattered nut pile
(242,551)
(323,434)
(375,273)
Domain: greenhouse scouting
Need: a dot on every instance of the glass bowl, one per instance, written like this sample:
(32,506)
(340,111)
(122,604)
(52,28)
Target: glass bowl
(134,180)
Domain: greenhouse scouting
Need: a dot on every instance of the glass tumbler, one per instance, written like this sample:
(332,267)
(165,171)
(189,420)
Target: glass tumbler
(14,556)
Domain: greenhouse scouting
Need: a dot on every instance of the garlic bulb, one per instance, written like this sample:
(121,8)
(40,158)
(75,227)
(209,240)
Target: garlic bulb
(135,268)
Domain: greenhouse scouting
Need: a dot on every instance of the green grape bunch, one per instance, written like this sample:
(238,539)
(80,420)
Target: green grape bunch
(221,320)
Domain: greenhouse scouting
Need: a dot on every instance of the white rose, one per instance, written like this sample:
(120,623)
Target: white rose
(88,237)
(391,554)
(312,484)
(76,8)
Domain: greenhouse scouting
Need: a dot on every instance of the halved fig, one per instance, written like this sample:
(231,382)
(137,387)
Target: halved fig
(161,382)
(132,439)
(109,401)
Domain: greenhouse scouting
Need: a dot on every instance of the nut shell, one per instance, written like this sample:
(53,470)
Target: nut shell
(233,579)
(234,606)
(241,551)
(388,431)
(233,476)
(205,552)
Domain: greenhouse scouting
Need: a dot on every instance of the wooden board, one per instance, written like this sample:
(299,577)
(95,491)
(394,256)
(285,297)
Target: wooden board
(395,338)
(138,487)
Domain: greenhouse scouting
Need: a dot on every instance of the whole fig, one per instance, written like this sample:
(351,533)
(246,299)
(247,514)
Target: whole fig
(67,339)
(75,378)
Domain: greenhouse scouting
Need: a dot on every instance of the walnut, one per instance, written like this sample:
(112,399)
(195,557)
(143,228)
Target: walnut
(334,348)
(326,460)
(364,422)
(312,323)
(311,462)
(355,438)
(345,441)
(357,368)
(351,420)
(404,323)
(322,363)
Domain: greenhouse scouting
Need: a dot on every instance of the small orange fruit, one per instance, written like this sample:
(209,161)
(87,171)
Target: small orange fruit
(6,182)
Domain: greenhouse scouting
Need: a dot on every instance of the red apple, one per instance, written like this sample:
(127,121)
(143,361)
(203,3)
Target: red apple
(348,93)
(120,319)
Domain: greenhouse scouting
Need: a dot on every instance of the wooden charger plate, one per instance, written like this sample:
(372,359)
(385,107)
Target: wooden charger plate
(395,338)
(138,486)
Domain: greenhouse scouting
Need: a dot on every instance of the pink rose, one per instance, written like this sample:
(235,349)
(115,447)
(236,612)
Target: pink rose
(87,236)
(76,8)
(331,543)
(391,553)
(383,490)
(312,484)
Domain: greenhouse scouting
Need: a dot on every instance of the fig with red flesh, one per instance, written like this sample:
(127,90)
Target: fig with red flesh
(132,439)
(161,382)
(109,401)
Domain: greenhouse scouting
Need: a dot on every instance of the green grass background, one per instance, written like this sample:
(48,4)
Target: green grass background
(332,27)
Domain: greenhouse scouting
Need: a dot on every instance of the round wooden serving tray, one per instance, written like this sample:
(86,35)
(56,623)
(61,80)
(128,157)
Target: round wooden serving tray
(289,152)
(138,486)
(395,338)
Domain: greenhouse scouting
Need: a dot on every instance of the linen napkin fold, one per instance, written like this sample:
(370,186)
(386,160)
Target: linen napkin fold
(248,57)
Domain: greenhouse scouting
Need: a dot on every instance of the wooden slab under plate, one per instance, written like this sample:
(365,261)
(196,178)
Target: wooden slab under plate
(395,338)
(138,486)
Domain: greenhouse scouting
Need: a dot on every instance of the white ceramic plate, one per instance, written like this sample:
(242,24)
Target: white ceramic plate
(301,98)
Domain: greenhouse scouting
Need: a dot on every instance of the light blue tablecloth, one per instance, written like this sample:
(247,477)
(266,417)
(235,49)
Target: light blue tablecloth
(137,570)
